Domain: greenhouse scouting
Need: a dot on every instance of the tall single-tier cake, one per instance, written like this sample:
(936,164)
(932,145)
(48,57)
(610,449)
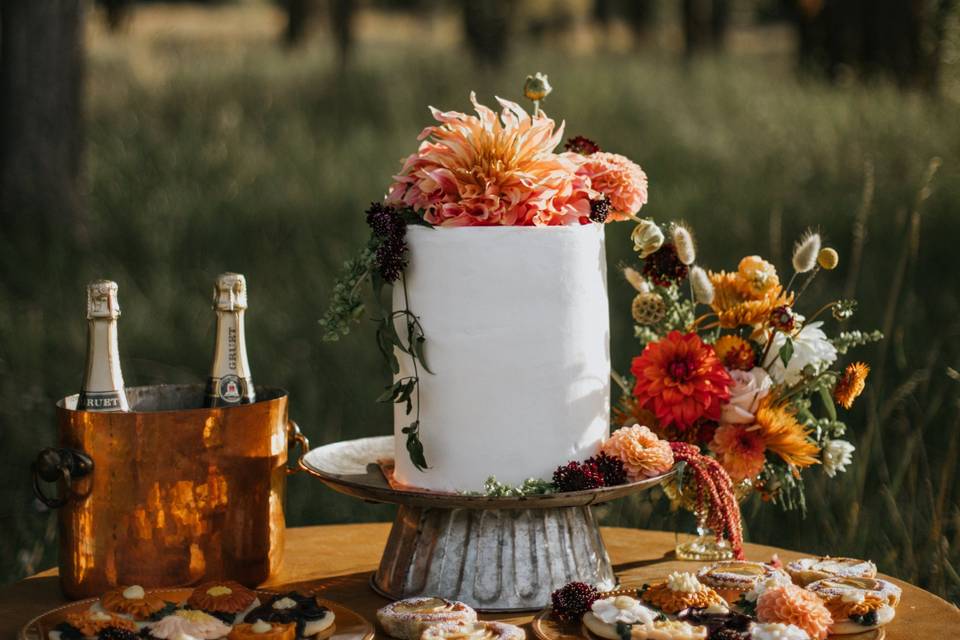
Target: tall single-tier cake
(518,343)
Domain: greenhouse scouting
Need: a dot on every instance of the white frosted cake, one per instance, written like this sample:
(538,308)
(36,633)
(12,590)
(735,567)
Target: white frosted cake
(517,327)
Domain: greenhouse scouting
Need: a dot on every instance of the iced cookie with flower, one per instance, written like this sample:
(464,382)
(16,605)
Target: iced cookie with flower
(857,604)
(681,590)
(607,613)
(737,579)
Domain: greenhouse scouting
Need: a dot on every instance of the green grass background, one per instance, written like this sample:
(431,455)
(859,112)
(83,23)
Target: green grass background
(242,157)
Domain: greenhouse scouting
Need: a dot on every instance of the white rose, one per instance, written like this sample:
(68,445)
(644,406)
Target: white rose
(837,454)
(810,348)
(749,388)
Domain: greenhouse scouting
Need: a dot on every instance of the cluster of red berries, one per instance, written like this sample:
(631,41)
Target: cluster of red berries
(600,209)
(663,267)
(581,145)
(389,239)
(570,602)
(596,472)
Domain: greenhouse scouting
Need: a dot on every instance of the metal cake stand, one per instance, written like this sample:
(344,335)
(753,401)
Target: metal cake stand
(497,554)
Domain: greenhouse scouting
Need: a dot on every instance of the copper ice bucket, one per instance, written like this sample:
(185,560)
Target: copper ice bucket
(169,494)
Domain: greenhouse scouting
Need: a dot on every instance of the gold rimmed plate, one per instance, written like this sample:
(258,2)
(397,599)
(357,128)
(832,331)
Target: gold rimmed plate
(349,625)
(546,626)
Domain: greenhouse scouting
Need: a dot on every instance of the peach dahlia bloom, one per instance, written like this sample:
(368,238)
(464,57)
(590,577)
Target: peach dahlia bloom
(618,178)
(740,450)
(791,604)
(493,170)
(644,455)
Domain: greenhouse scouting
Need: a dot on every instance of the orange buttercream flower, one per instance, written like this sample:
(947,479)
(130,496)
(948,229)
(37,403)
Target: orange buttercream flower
(791,604)
(644,455)
(851,384)
(91,624)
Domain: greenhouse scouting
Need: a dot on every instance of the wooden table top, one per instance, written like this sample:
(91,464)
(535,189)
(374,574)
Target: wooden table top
(337,560)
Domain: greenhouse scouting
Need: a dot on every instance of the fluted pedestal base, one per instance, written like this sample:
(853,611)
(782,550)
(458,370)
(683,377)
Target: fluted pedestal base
(492,559)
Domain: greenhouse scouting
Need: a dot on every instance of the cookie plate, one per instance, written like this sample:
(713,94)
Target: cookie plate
(349,624)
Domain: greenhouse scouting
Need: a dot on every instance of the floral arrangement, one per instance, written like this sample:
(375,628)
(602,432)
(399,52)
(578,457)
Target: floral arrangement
(476,170)
(734,370)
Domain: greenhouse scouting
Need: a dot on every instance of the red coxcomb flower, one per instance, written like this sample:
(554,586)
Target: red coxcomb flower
(577,476)
(581,145)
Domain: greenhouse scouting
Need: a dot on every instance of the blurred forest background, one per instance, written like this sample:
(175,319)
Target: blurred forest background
(160,144)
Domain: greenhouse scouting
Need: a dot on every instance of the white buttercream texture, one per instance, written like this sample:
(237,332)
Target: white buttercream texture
(517,331)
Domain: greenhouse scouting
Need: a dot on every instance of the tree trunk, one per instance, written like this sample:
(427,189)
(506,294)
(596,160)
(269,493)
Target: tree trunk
(341,23)
(298,13)
(41,65)
(704,25)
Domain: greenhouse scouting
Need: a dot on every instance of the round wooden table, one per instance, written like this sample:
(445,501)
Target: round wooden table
(337,560)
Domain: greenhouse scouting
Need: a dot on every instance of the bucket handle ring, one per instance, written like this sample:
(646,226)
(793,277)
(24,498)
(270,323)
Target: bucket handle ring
(55,464)
(295,438)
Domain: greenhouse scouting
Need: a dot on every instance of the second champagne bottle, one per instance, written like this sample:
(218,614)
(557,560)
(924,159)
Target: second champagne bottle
(230,382)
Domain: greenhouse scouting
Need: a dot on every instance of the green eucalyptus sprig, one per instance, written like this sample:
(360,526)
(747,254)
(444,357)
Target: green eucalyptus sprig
(381,263)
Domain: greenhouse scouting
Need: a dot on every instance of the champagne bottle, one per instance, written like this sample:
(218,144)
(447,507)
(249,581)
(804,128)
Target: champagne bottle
(230,382)
(102,388)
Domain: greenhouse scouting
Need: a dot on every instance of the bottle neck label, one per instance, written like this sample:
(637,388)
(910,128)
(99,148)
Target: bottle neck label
(102,388)
(230,382)
(101,401)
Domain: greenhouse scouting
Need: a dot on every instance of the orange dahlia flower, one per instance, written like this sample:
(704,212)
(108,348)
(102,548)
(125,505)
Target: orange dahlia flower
(735,353)
(747,296)
(740,449)
(493,170)
(791,604)
(851,384)
(681,380)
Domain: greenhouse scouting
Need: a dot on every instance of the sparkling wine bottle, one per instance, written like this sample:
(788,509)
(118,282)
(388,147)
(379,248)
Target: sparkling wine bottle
(230,382)
(102,388)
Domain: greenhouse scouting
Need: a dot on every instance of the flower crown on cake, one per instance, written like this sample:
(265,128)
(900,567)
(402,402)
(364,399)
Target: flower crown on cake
(486,169)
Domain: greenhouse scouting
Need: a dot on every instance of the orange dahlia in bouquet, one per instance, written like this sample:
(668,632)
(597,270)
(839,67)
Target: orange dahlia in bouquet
(735,368)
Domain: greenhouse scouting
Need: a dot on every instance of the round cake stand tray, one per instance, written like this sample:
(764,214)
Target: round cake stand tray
(497,554)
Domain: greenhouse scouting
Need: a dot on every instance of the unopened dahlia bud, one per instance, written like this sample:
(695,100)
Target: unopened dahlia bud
(702,287)
(647,238)
(805,252)
(537,87)
(636,280)
(683,241)
(828,258)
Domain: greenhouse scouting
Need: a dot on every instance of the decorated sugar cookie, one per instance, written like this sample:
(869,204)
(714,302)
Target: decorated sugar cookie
(90,623)
(188,622)
(606,613)
(261,630)
(857,604)
(407,619)
(668,630)
(310,617)
(461,630)
(132,601)
(222,597)
(734,578)
(680,591)
(807,570)
(790,604)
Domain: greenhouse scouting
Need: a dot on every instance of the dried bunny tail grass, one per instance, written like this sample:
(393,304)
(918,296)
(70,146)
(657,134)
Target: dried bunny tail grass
(683,241)
(636,280)
(702,287)
(805,252)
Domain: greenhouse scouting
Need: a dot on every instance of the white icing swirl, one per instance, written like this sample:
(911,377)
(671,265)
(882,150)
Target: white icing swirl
(135,592)
(285,603)
(777,631)
(683,582)
(261,627)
